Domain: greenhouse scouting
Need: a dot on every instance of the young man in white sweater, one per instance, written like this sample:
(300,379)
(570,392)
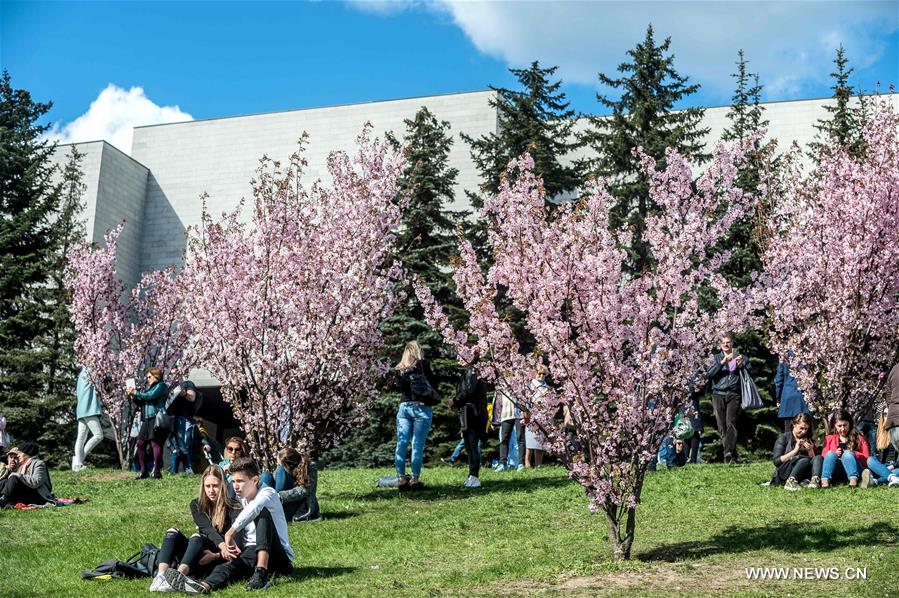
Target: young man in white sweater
(265,529)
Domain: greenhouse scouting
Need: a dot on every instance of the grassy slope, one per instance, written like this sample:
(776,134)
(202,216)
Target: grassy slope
(523,533)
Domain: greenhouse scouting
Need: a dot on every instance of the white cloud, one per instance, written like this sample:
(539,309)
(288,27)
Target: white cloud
(113,115)
(789,43)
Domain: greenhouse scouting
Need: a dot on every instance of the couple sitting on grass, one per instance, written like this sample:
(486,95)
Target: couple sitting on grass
(233,541)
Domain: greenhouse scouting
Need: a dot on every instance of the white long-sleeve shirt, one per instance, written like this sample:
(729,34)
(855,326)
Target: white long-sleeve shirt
(266,498)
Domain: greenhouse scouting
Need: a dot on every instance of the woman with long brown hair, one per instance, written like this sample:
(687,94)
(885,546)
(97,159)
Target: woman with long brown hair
(845,452)
(296,481)
(213,511)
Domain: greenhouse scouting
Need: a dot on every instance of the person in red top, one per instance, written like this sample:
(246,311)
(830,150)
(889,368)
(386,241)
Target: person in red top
(845,453)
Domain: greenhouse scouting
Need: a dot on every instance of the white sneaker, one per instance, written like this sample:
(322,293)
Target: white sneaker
(158,582)
(475,482)
(75,465)
(893,481)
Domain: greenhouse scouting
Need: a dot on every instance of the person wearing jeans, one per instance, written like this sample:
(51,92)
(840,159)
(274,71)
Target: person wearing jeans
(415,381)
(510,425)
(413,422)
(845,452)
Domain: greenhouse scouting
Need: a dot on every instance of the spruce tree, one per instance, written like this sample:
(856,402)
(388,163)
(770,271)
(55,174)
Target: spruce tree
(428,245)
(844,122)
(29,202)
(535,118)
(644,115)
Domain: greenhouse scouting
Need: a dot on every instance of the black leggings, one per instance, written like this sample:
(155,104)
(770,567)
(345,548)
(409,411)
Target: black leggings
(243,566)
(473,436)
(177,549)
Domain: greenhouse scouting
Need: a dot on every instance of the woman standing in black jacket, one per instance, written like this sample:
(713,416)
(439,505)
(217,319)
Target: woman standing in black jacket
(213,511)
(471,401)
(413,418)
(794,454)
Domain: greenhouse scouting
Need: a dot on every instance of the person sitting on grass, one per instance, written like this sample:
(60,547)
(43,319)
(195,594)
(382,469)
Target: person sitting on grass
(794,453)
(266,545)
(28,481)
(214,513)
(296,481)
(882,465)
(845,452)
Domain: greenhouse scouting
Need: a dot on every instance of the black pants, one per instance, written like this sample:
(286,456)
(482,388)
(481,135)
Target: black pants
(473,436)
(694,449)
(507,429)
(797,467)
(727,408)
(243,566)
(177,549)
(15,490)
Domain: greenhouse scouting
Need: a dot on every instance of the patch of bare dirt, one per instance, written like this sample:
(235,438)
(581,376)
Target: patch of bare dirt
(107,476)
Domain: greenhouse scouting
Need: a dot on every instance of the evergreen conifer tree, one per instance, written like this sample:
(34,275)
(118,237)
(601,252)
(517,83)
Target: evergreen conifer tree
(644,115)
(535,118)
(29,252)
(844,121)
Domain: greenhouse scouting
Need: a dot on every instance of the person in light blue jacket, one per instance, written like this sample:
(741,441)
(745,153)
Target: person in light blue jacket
(789,397)
(88,412)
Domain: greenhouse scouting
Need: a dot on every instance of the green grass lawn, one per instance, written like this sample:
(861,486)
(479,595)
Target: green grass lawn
(526,533)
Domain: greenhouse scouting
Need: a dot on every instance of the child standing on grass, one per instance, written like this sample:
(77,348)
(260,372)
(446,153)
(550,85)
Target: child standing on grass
(845,452)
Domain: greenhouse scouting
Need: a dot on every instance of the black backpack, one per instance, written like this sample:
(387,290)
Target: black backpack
(142,563)
(421,387)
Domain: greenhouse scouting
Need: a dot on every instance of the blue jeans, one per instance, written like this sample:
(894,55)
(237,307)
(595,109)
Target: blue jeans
(182,443)
(458,450)
(880,471)
(868,429)
(412,418)
(850,465)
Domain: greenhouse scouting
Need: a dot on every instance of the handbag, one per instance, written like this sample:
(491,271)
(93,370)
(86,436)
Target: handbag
(163,423)
(749,398)
(421,387)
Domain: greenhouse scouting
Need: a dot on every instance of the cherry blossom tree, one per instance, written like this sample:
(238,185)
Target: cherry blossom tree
(621,348)
(121,333)
(831,279)
(286,306)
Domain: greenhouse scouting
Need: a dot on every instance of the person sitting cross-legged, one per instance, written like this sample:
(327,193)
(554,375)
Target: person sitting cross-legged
(267,548)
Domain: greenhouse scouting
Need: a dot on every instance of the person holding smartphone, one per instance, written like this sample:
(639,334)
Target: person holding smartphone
(724,375)
(845,452)
(794,454)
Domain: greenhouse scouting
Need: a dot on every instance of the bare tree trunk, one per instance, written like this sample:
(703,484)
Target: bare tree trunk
(621,542)
(118,446)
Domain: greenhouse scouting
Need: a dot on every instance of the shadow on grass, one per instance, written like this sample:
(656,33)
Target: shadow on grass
(455,491)
(790,537)
(301,573)
(331,516)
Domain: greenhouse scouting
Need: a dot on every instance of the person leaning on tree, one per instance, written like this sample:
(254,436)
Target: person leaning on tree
(724,374)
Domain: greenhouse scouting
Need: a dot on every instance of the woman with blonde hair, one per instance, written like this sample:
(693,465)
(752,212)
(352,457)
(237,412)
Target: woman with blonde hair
(413,418)
(213,512)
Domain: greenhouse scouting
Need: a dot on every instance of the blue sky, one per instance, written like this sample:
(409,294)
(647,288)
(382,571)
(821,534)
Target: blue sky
(143,62)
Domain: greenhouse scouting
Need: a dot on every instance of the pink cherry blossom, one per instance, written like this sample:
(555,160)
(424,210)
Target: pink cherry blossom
(620,348)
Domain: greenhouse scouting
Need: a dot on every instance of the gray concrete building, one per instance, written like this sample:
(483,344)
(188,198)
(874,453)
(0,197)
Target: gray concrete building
(157,189)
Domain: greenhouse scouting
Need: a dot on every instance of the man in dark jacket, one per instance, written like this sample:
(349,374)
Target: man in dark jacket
(724,374)
(30,483)
(891,398)
(471,401)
